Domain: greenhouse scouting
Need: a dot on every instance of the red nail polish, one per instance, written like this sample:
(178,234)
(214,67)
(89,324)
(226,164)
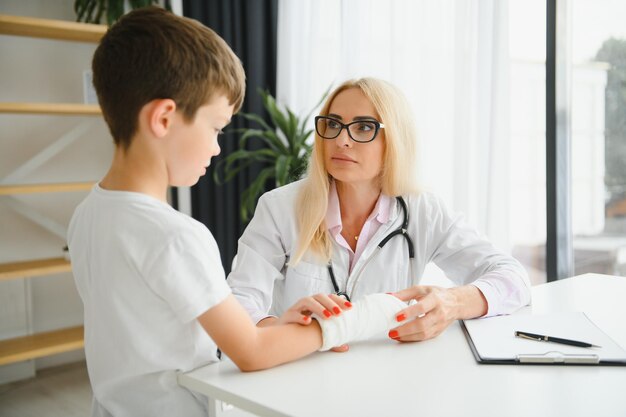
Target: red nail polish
(348,304)
(305,318)
(401,317)
(336,310)
(393,334)
(327,313)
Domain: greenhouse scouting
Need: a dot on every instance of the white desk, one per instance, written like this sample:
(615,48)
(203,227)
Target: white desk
(438,377)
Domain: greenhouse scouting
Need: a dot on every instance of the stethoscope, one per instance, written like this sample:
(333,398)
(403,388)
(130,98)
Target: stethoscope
(402,230)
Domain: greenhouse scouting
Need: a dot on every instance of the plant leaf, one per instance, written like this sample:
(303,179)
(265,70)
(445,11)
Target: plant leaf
(286,151)
(80,7)
(240,159)
(302,137)
(252,193)
(305,120)
(100,11)
(278,118)
(257,119)
(260,155)
(267,136)
(240,154)
(292,134)
(89,18)
(282,170)
(230,173)
(247,134)
(115,9)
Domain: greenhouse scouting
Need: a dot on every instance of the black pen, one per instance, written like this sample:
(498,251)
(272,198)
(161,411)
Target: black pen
(542,338)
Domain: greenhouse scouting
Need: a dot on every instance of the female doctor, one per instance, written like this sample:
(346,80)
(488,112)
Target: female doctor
(357,224)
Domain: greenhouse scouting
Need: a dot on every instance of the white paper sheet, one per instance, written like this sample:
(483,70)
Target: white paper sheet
(494,337)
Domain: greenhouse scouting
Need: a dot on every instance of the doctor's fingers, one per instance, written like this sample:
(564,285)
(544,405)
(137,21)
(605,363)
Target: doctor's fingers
(340,301)
(294,316)
(414,293)
(430,333)
(423,328)
(422,307)
(321,304)
(341,349)
(332,303)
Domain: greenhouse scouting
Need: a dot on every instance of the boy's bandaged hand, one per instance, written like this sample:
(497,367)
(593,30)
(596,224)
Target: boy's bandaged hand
(372,315)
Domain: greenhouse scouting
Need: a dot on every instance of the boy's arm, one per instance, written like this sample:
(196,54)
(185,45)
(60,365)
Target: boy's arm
(252,348)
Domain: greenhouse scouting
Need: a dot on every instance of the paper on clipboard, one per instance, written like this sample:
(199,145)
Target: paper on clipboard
(494,340)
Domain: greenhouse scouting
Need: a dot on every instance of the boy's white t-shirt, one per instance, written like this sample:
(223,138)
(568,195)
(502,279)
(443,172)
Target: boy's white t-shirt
(145,272)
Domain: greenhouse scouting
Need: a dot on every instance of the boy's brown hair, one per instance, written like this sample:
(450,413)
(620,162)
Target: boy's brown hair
(151,54)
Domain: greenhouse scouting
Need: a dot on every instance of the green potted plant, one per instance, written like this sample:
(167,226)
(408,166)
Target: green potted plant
(92,11)
(285,156)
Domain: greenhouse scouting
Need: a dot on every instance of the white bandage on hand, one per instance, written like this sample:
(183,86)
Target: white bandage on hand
(371,316)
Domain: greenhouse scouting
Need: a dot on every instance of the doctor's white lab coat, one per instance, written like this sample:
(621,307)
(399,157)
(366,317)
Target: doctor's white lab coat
(265,285)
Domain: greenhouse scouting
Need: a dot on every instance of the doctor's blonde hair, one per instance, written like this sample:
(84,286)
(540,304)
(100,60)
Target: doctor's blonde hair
(398,175)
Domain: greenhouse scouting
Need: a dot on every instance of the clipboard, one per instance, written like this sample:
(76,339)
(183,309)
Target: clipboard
(492,340)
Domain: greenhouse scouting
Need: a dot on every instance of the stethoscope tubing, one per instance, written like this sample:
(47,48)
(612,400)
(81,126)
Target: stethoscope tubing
(402,230)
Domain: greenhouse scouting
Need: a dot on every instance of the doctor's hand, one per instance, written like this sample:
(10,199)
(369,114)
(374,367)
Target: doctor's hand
(324,305)
(435,309)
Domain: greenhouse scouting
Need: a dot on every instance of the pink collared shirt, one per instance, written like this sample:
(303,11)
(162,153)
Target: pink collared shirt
(378,216)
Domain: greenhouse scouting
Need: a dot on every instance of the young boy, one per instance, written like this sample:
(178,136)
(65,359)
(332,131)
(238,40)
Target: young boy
(155,297)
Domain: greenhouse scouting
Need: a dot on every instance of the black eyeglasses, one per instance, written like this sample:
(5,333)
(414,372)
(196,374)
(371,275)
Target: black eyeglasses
(361,131)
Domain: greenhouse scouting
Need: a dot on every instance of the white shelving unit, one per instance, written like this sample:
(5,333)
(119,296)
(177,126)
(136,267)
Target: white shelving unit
(62,340)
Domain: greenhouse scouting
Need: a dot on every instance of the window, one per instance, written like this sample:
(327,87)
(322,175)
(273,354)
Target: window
(475,74)
(527,194)
(598,68)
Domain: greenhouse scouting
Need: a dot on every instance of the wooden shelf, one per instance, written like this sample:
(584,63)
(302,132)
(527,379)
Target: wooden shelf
(63,340)
(51,29)
(45,188)
(41,344)
(27,269)
(51,108)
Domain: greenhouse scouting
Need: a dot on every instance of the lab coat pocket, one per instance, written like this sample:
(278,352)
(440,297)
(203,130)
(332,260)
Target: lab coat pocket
(305,279)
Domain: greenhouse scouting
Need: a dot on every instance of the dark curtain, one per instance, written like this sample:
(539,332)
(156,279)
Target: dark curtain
(249,27)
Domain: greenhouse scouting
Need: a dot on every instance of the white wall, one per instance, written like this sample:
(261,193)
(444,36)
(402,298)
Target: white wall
(49,71)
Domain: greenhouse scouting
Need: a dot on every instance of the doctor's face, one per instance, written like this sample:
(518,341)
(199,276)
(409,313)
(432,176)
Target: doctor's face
(346,160)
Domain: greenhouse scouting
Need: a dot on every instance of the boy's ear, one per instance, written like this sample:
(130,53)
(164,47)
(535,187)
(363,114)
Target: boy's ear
(160,116)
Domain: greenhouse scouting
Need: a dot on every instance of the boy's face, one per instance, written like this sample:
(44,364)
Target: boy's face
(194,143)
